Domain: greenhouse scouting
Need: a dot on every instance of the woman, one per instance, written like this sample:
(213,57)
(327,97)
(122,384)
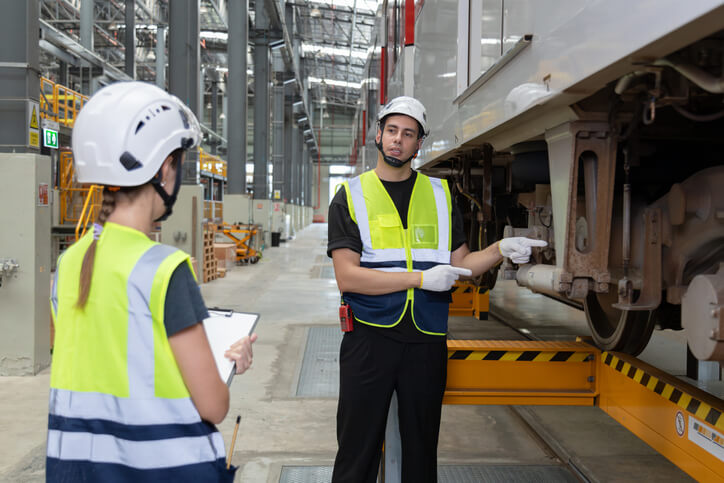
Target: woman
(134,387)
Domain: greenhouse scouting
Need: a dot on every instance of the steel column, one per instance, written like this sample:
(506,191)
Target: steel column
(19,67)
(87,18)
(236,90)
(183,67)
(261,103)
(278,152)
(130,40)
(214,110)
(295,174)
(161,56)
(304,176)
(183,51)
(288,135)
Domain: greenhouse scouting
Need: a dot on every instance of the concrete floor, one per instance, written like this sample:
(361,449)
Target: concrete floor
(291,289)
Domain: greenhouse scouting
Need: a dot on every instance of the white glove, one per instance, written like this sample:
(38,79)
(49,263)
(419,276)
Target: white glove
(441,278)
(518,248)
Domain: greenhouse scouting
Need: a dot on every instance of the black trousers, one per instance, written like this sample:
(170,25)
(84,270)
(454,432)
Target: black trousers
(372,366)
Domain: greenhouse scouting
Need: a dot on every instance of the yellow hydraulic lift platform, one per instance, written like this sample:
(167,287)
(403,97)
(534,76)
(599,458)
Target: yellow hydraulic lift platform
(469,300)
(242,235)
(678,420)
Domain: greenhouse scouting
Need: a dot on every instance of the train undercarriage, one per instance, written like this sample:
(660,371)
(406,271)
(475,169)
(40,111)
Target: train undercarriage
(629,196)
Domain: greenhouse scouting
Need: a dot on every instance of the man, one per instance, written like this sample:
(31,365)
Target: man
(398,246)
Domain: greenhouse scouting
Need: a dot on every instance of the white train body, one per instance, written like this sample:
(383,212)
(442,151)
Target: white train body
(596,125)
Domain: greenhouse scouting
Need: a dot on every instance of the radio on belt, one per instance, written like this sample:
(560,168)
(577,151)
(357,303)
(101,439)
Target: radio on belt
(346,319)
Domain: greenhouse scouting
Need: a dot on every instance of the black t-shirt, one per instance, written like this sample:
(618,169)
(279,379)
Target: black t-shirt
(184,305)
(343,232)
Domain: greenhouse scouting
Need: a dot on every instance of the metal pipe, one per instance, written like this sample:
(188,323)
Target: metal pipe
(698,117)
(626,215)
(698,76)
(540,278)
(626,80)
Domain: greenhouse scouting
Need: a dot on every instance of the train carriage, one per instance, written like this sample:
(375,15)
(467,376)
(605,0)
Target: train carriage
(597,126)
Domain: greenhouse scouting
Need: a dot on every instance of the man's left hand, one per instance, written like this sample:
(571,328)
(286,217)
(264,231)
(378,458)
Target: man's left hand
(518,248)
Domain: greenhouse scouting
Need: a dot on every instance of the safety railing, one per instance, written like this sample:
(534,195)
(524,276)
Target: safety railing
(91,207)
(59,103)
(72,195)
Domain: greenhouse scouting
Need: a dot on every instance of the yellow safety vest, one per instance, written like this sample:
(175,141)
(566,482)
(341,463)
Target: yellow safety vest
(118,402)
(387,246)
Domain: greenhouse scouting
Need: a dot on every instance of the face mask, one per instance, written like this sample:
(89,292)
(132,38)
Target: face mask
(394,162)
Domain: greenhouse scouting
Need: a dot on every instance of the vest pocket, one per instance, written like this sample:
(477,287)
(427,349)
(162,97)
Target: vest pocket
(423,236)
(386,231)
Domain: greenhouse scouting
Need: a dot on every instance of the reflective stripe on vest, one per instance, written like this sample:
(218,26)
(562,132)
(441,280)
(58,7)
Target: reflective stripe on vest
(424,244)
(163,453)
(54,291)
(142,416)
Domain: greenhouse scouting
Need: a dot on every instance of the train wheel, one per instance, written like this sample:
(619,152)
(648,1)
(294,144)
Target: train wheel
(617,330)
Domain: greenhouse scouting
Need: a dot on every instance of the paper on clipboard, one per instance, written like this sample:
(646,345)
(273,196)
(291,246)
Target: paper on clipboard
(223,328)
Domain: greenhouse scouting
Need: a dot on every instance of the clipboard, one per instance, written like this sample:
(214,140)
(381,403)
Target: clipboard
(223,328)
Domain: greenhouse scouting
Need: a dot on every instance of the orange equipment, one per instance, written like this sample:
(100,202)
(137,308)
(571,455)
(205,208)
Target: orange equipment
(243,236)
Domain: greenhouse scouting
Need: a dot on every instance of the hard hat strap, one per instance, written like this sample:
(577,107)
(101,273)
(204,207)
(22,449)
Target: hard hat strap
(168,200)
(394,162)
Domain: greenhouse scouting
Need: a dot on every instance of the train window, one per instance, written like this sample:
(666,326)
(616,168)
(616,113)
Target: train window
(480,38)
(489,47)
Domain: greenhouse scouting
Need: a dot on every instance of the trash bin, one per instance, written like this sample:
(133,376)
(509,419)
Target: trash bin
(276,237)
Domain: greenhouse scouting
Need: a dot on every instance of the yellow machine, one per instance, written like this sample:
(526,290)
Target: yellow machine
(469,300)
(243,236)
(678,420)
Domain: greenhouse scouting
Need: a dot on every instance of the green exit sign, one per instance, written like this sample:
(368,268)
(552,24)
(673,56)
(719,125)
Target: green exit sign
(50,138)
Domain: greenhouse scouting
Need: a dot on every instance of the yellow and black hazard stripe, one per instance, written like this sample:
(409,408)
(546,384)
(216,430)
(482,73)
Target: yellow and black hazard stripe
(520,356)
(462,288)
(685,401)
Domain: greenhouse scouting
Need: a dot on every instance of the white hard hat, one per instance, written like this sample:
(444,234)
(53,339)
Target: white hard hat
(125,131)
(409,106)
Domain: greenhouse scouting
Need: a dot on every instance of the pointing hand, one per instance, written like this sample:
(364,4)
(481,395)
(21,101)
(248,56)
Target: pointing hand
(518,248)
(441,278)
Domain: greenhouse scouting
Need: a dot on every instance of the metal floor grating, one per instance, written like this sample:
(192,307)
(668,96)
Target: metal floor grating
(504,474)
(306,474)
(450,474)
(319,376)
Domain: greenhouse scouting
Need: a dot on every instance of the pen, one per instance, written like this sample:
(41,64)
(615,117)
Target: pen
(233,440)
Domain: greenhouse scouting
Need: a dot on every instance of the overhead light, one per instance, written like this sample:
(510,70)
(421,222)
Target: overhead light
(302,120)
(334,82)
(327,50)
(213,35)
(289,81)
(369,6)
(315,13)
(298,104)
